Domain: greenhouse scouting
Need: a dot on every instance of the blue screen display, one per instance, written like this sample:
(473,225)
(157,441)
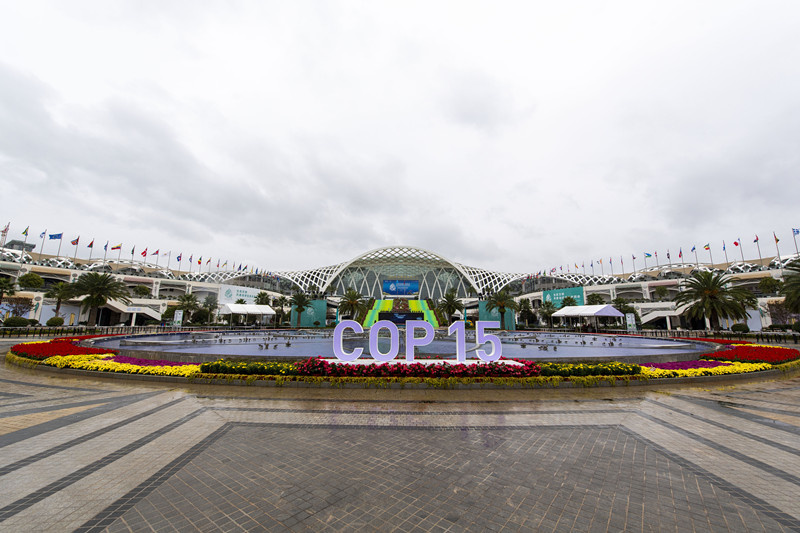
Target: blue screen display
(400,287)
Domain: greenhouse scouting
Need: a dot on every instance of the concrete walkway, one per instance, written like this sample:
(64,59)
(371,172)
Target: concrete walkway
(104,455)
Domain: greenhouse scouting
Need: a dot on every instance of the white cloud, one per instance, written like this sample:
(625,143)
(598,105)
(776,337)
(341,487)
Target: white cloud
(516,136)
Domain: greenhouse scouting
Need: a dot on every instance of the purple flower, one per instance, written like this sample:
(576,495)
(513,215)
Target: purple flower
(145,362)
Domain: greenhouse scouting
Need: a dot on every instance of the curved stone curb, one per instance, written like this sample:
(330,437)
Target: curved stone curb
(620,383)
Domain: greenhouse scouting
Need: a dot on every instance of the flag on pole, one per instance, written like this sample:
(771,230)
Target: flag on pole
(117,247)
(91,244)
(693,249)
(200,261)
(155,253)
(133,249)
(42,234)
(217,263)
(680,253)
(26,231)
(736,242)
(190,258)
(179,257)
(776,238)
(707,247)
(75,241)
(667,254)
(144,253)
(208,261)
(648,254)
(756,239)
(795,231)
(225,264)
(723,246)
(633,257)
(56,236)
(105,248)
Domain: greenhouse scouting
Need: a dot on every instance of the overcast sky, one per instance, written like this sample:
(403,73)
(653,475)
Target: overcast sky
(514,136)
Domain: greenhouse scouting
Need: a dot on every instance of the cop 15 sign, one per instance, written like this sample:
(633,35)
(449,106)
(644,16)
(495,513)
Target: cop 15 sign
(412,341)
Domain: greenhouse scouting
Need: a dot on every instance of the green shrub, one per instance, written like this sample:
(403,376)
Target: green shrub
(740,328)
(589,369)
(249,368)
(15,322)
(55,321)
(796,326)
(33,322)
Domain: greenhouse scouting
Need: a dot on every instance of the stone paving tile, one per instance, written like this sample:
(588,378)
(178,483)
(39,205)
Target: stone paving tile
(164,458)
(417,480)
(15,423)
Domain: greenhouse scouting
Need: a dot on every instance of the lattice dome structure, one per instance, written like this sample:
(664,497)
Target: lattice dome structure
(436,275)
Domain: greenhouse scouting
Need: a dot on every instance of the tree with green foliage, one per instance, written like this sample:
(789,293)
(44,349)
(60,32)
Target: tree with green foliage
(546,311)
(352,304)
(262,298)
(791,286)
(6,288)
(300,302)
(595,299)
(188,303)
(60,292)
(769,285)
(622,305)
(711,297)
(279,303)
(449,304)
(525,311)
(31,281)
(568,301)
(503,302)
(141,291)
(661,293)
(98,289)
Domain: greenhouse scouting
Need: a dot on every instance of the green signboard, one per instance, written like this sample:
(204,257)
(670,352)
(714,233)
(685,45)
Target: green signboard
(557,295)
(494,314)
(316,312)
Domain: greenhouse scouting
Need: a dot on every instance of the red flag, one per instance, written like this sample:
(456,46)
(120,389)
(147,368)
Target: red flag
(144,254)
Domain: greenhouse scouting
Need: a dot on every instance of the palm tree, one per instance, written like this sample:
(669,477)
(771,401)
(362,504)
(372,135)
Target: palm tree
(501,301)
(791,286)
(568,301)
(449,304)
(546,310)
(280,303)
(59,292)
(189,304)
(300,302)
(99,289)
(6,288)
(262,298)
(525,311)
(594,299)
(352,304)
(712,298)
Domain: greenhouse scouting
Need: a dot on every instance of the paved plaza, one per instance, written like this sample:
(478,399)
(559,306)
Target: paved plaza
(110,455)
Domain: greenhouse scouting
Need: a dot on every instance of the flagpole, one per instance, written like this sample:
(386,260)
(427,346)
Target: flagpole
(75,255)
(710,256)
(91,249)
(105,254)
(26,241)
(645,260)
(158,253)
(780,262)
(741,248)
(633,260)
(727,263)
(658,265)
(169,258)
(60,240)
(760,259)
(794,238)
(696,260)
(44,235)
(611,262)
(119,256)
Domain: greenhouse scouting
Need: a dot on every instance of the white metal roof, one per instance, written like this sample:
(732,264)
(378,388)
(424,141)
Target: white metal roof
(246,309)
(588,310)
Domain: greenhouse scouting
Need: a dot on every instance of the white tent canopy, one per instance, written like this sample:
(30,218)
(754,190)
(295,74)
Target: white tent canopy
(246,309)
(588,311)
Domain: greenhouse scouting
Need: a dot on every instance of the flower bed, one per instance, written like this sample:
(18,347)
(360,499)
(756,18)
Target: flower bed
(738,358)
